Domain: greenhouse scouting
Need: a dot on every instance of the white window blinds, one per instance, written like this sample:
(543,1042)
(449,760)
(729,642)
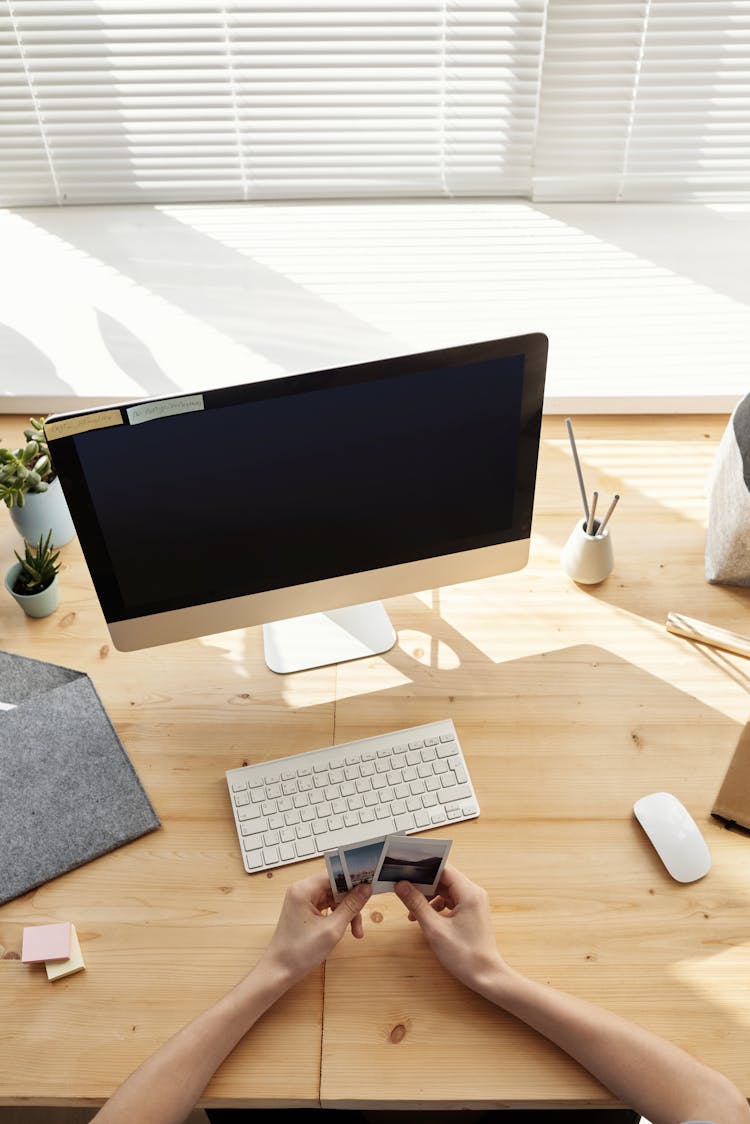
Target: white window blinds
(141,100)
(645,100)
(129,100)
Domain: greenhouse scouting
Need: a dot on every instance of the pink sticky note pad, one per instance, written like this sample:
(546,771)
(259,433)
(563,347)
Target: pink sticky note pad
(46,942)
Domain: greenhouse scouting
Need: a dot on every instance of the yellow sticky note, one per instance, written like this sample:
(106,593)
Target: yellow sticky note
(74,963)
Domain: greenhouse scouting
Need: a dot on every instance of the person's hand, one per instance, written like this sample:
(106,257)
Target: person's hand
(311,924)
(458,927)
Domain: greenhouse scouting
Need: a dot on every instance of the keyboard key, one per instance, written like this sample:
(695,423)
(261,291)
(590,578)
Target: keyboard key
(270,856)
(447,737)
(241,798)
(254,860)
(405,822)
(437,815)
(447,750)
(456,793)
(287,851)
(305,847)
(254,825)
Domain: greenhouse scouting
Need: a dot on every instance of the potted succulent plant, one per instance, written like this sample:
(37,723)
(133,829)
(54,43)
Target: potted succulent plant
(32,580)
(32,491)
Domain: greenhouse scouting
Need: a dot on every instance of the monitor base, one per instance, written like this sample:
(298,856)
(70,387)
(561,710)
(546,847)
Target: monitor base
(319,639)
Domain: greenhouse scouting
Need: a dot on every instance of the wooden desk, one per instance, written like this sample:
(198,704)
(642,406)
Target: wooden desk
(571,702)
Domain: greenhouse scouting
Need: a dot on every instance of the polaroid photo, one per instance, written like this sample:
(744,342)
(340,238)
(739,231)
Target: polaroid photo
(336,875)
(409,859)
(360,859)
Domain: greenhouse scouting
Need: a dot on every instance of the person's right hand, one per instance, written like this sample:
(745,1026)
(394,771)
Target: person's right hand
(458,927)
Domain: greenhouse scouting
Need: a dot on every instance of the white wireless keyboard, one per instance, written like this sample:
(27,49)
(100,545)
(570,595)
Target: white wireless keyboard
(295,808)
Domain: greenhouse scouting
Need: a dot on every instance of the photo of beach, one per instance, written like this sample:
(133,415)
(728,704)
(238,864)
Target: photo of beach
(336,872)
(361,860)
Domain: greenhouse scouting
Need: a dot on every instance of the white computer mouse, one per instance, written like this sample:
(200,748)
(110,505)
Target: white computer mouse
(674,834)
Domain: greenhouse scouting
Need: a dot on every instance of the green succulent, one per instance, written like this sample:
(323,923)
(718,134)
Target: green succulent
(28,469)
(39,567)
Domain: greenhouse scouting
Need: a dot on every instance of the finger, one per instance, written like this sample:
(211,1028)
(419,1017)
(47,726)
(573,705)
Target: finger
(358,928)
(416,903)
(316,889)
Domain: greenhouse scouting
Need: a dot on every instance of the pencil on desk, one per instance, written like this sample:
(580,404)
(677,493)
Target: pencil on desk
(708,634)
(581,484)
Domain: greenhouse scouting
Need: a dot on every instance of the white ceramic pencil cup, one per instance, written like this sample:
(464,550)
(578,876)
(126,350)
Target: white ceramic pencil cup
(588,559)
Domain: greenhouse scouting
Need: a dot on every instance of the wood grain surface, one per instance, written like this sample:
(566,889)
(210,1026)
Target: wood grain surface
(570,703)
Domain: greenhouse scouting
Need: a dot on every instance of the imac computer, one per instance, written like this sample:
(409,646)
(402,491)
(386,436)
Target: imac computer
(300,502)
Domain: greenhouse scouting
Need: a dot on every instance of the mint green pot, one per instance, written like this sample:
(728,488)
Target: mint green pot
(35,604)
(43,512)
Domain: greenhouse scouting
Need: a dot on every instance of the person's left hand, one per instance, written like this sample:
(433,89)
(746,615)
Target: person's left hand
(311,924)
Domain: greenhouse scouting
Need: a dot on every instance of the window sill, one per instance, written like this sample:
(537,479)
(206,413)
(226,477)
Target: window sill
(645,305)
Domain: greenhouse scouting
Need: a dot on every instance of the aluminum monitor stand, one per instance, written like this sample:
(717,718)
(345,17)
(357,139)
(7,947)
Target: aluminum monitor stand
(336,636)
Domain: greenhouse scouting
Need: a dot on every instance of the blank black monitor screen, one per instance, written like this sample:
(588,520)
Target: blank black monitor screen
(289,481)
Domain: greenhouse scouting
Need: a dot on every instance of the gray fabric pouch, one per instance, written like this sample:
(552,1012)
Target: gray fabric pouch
(728,535)
(68,790)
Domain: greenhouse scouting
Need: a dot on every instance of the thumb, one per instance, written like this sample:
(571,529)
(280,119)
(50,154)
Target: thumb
(349,906)
(416,903)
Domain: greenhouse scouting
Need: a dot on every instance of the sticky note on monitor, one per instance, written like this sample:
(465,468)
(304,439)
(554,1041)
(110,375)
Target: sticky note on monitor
(46,942)
(58,968)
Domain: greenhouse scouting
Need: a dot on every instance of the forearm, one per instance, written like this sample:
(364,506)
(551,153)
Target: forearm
(649,1074)
(165,1088)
